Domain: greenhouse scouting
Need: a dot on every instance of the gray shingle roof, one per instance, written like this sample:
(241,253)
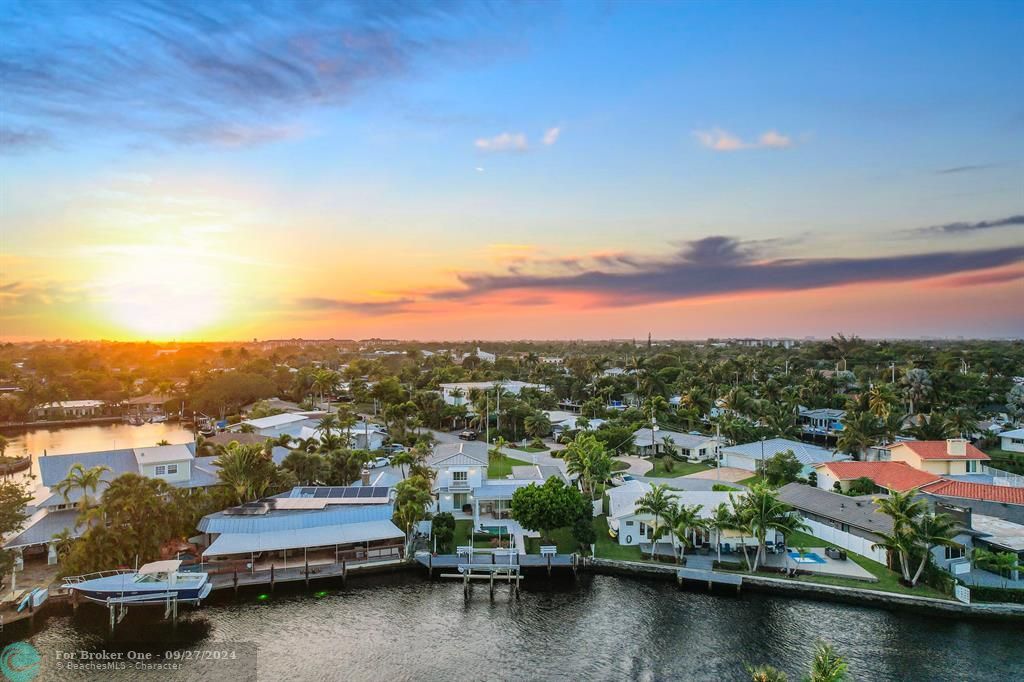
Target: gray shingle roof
(859,512)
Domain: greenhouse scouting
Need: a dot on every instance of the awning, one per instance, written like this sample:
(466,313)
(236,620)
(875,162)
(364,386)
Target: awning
(322,536)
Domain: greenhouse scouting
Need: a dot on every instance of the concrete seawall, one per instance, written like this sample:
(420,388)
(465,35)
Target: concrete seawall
(808,590)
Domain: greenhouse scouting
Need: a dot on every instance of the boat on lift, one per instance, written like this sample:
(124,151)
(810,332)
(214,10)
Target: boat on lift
(153,583)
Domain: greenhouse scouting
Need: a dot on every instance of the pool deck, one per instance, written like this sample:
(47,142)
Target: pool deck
(831,567)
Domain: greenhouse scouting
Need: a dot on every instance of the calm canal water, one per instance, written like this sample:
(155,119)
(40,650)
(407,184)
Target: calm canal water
(401,627)
(90,438)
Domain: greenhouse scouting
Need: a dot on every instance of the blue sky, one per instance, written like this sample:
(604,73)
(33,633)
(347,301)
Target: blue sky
(456,142)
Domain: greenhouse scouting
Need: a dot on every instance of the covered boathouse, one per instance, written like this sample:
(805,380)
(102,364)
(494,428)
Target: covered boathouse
(305,527)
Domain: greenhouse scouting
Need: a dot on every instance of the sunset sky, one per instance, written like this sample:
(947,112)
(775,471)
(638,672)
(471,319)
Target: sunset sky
(223,171)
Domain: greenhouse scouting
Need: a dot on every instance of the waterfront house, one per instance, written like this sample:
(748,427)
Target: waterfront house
(854,515)
(364,435)
(630,527)
(462,486)
(52,512)
(749,455)
(70,409)
(690,446)
(822,421)
(314,524)
(887,476)
(1012,441)
(149,407)
(940,457)
(278,424)
(562,421)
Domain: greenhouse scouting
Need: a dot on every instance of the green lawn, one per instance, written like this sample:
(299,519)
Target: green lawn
(678,469)
(888,581)
(563,539)
(1006,460)
(609,548)
(501,466)
(463,528)
(750,480)
(619,465)
(527,448)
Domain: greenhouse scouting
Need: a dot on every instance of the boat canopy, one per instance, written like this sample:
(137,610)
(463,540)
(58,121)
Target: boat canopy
(169,566)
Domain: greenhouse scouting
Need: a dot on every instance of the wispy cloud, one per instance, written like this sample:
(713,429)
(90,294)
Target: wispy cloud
(965,169)
(503,142)
(963,227)
(551,136)
(231,73)
(369,308)
(721,265)
(723,141)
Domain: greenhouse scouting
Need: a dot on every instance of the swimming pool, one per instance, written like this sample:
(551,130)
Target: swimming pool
(494,530)
(807,558)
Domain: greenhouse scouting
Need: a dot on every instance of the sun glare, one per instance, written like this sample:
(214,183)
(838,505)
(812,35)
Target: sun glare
(163,293)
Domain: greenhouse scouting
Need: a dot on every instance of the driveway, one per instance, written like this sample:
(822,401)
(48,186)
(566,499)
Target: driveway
(638,466)
(727,474)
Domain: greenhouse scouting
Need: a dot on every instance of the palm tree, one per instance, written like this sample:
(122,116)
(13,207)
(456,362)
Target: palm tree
(722,519)
(538,425)
(929,531)
(860,431)
(327,423)
(761,511)
(917,386)
(658,502)
(683,520)
(903,509)
(163,442)
(85,480)
(827,665)
(880,400)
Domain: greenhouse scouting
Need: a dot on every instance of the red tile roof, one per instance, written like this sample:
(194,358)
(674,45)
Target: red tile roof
(936,449)
(976,491)
(898,476)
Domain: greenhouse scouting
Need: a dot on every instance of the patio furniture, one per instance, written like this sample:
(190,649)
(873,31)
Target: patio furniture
(835,553)
(726,548)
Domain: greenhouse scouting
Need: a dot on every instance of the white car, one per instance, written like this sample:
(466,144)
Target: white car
(378,462)
(621,479)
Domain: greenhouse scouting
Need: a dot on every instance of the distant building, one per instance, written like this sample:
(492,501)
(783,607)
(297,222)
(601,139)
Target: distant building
(459,393)
(1012,441)
(694,447)
(888,477)
(749,455)
(70,409)
(822,421)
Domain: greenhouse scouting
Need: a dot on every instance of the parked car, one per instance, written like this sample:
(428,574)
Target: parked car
(621,479)
(468,434)
(394,448)
(378,462)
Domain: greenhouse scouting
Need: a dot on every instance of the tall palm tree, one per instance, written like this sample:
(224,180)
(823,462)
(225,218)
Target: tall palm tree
(860,431)
(917,386)
(657,502)
(682,521)
(929,531)
(85,480)
(762,511)
(722,519)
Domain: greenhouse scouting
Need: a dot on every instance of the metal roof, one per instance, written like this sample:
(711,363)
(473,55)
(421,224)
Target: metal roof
(293,519)
(275,420)
(807,454)
(642,438)
(54,468)
(318,536)
(497,492)
(162,453)
(43,530)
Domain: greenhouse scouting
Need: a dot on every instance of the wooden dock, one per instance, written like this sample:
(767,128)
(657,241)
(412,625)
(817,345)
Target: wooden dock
(301,573)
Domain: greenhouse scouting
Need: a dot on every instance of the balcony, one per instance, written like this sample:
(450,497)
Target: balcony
(459,485)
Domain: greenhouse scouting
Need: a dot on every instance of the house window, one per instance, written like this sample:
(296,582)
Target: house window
(161,469)
(172,468)
(460,476)
(845,527)
(972,466)
(461,499)
(629,523)
(955,552)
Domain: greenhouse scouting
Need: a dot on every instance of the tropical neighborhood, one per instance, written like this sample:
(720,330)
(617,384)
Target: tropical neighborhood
(312,461)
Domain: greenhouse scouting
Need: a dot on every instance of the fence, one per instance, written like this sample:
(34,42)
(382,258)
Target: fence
(854,543)
(1005,478)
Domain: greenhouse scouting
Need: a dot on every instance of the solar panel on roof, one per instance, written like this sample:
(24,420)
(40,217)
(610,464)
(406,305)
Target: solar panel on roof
(350,492)
(365,492)
(323,492)
(380,491)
